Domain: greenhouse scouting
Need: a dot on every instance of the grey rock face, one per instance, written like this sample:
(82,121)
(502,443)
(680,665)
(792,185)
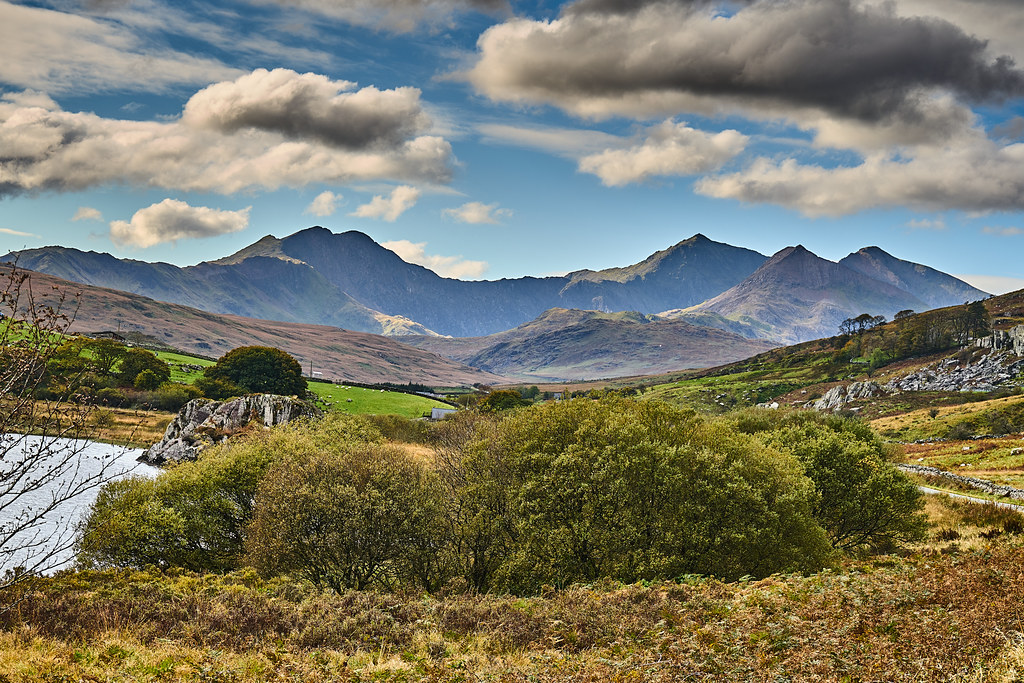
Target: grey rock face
(202,423)
(836,398)
(988,372)
(1011,340)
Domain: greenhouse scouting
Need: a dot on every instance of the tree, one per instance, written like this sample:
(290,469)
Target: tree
(136,361)
(40,475)
(503,399)
(260,369)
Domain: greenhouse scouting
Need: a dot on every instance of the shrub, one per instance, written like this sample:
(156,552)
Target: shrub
(114,398)
(147,380)
(136,361)
(349,518)
(863,500)
(505,399)
(629,490)
(218,389)
(195,514)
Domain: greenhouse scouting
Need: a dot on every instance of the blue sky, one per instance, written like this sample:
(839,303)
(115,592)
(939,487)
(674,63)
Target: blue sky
(490,139)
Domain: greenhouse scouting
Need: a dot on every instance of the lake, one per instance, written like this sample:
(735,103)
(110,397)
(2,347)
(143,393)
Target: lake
(62,469)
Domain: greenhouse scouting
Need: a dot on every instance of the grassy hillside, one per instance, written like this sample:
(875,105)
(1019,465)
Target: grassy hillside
(570,344)
(337,353)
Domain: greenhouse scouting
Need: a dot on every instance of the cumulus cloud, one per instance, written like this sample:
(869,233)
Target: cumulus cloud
(670,149)
(46,148)
(396,15)
(478,213)
(57,52)
(309,107)
(87,213)
(799,59)
(1000,23)
(172,220)
(977,177)
(324,204)
(389,208)
(445,266)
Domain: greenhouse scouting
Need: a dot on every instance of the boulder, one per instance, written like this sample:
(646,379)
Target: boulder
(202,423)
(836,398)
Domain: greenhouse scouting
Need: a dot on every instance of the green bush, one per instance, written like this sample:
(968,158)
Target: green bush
(349,518)
(217,389)
(195,514)
(136,361)
(863,500)
(638,490)
(504,399)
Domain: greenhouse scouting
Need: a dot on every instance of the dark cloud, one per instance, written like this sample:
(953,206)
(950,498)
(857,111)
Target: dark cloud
(310,106)
(851,60)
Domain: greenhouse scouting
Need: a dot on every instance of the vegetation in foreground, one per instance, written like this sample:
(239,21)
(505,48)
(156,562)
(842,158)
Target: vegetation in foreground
(944,611)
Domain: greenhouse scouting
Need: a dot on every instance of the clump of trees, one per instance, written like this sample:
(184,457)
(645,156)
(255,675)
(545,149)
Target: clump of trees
(545,495)
(258,370)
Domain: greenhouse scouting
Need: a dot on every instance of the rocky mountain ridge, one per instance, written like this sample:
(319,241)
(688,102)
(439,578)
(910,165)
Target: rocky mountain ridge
(349,281)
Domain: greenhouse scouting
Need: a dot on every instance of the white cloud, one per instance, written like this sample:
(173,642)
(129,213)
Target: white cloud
(172,220)
(324,204)
(389,208)
(1002,231)
(87,213)
(221,148)
(994,284)
(396,15)
(670,149)
(17,233)
(57,51)
(477,213)
(976,177)
(445,266)
(566,141)
(938,224)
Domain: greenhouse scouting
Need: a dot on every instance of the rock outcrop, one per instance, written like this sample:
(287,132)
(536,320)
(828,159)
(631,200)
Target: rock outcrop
(836,398)
(1012,340)
(202,423)
(985,374)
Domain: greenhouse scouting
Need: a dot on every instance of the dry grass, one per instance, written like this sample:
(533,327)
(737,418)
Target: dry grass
(948,611)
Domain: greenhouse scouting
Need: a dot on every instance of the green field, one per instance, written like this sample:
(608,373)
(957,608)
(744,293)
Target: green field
(335,397)
(177,359)
(373,401)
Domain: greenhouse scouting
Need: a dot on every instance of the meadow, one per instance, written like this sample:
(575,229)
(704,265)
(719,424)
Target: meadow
(333,397)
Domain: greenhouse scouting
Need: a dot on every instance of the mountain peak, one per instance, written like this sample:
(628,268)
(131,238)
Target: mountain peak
(934,288)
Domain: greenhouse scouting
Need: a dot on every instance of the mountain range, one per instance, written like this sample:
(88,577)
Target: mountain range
(699,302)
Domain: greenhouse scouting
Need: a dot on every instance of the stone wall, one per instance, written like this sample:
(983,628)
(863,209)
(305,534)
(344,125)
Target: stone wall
(979,484)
